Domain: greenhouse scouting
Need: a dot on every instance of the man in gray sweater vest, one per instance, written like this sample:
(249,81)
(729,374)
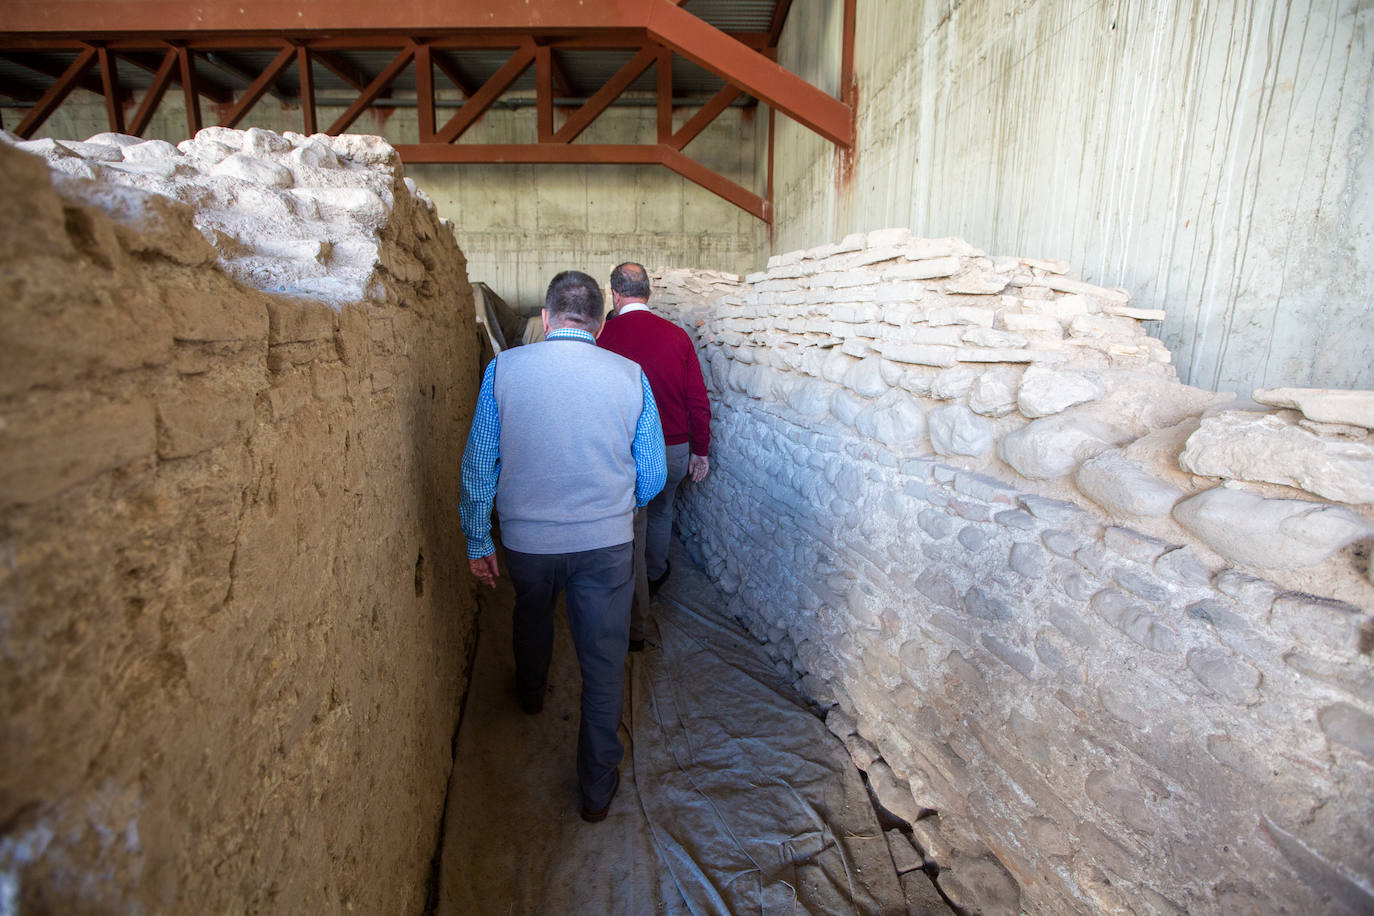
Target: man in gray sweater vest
(566,444)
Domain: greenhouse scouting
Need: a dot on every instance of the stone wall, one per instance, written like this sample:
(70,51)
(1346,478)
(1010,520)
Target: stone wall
(1102,640)
(235,381)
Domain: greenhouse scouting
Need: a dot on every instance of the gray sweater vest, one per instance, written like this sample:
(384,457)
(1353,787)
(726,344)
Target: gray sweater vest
(568,411)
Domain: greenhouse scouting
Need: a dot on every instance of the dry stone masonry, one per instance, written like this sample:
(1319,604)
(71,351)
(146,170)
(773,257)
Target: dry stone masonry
(1100,639)
(236,375)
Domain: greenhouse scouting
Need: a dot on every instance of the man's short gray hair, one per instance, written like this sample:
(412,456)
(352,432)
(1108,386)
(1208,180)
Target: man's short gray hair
(574,298)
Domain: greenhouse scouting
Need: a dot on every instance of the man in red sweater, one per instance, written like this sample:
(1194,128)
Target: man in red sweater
(669,360)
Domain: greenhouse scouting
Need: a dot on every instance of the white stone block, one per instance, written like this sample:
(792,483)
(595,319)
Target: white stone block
(258,171)
(1269,533)
(1047,265)
(1126,311)
(1325,405)
(994,392)
(1103,326)
(919,354)
(1003,355)
(1124,488)
(846,406)
(896,420)
(1027,321)
(1052,447)
(986,337)
(976,283)
(955,382)
(837,366)
(876,255)
(956,430)
(961,315)
(1049,391)
(1248,446)
(925,269)
(1063,284)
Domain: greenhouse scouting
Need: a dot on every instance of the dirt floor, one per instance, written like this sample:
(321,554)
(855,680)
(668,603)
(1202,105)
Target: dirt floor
(734,797)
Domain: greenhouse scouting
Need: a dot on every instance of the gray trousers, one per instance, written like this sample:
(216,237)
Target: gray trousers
(599,585)
(653,531)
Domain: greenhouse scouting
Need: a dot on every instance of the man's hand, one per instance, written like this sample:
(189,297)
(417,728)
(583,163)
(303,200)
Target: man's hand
(484,568)
(697,466)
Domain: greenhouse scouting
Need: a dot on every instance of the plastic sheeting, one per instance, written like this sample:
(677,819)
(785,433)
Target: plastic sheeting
(734,798)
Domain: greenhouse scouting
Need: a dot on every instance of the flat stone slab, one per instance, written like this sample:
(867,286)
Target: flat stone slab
(1269,533)
(1325,405)
(1265,447)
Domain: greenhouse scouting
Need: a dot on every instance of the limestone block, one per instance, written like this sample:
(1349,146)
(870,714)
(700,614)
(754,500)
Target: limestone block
(1246,446)
(987,337)
(976,283)
(810,398)
(1124,488)
(956,430)
(1269,533)
(1126,311)
(955,382)
(1045,392)
(1053,446)
(923,269)
(896,420)
(993,393)
(1325,405)
(836,366)
(919,354)
(959,315)
(1100,326)
(1030,321)
(846,406)
(865,378)
(253,170)
(1064,284)
(942,336)
(149,151)
(984,355)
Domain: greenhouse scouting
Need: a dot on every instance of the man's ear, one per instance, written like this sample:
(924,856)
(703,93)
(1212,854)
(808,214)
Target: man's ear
(544,316)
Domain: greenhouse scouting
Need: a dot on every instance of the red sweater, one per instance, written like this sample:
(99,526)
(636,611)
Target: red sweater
(665,353)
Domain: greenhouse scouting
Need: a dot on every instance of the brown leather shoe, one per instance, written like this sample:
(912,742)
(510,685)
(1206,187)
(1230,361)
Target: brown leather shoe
(595,817)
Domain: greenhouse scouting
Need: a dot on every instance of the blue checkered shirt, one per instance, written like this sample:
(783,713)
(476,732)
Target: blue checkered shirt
(482,457)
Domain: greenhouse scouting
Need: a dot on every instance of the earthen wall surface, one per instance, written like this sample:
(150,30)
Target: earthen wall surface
(1103,640)
(235,382)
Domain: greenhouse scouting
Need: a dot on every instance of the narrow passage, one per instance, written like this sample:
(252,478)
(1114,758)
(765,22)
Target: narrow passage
(734,798)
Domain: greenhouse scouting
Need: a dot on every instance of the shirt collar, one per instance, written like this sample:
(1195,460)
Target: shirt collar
(571,334)
(629,307)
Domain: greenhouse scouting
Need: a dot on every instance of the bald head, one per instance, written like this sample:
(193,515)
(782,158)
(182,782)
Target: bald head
(630,281)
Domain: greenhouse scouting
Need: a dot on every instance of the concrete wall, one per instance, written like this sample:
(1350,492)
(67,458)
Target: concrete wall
(521,224)
(234,615)
(1214,160)
(1081,632)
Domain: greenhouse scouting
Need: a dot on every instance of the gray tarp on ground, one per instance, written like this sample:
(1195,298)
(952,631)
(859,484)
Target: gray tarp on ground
(734,797)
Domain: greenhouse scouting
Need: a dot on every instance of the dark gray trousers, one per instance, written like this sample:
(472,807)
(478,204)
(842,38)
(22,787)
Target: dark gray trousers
(599,585)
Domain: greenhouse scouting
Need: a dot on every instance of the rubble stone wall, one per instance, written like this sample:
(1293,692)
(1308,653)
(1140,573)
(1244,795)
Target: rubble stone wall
(235,381)
(1102,640)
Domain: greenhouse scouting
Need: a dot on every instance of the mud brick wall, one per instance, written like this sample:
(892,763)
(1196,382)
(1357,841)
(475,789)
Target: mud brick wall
(1101,640)
(235,381)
